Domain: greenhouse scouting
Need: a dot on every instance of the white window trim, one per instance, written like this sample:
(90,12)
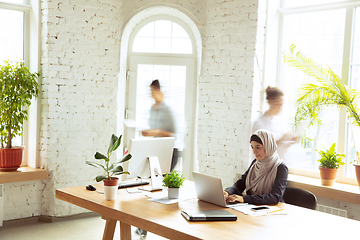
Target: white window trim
(272,74)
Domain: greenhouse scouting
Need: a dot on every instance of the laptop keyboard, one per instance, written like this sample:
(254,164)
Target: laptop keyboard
(132,183)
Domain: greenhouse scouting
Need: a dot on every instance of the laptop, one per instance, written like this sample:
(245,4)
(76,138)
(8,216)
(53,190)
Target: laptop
(209,189)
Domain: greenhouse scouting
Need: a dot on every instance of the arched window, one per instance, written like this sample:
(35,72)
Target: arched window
(163,48)
(162,36)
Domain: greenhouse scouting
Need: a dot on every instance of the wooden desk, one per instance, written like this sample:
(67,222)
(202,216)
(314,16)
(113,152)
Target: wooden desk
(166,221)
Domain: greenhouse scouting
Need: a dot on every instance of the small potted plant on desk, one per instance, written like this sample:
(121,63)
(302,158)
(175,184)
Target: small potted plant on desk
(330,161)
(17,87)
(110,182)
(173,181)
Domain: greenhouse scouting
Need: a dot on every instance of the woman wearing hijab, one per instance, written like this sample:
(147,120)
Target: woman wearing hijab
(266,179)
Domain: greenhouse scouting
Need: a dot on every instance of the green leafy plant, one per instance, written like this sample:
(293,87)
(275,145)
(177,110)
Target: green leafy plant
(17,87)
(110,169)
(329,90)
(330,159)
(173,180)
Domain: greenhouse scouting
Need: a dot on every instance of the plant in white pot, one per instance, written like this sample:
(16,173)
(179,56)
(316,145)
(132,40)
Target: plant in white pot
(17,87)
(110,169)
(173,181)
(330,162)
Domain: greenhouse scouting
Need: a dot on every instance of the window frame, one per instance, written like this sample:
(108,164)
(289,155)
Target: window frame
(31,55)
(273,75)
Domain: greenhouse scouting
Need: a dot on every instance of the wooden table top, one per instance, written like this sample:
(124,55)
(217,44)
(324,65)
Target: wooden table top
(166,220)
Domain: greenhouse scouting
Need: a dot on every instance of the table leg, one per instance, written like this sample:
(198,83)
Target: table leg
(125,231)
(109,229)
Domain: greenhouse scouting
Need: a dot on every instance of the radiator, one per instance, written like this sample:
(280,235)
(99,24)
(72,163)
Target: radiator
(1,204)
(331,210)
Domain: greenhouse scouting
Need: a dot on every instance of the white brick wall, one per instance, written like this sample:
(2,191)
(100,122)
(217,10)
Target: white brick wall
(81,49)
(225,88)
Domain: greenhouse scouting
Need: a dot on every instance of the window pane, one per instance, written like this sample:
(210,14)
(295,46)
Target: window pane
(180,45)
(12,35)
(143,44)
(297,3)
(16,1)
(172,80)
(353,132)
(162,36)
(146,31)
(320,36)
(356,40)
(162,29)
(162,45)
(178,31)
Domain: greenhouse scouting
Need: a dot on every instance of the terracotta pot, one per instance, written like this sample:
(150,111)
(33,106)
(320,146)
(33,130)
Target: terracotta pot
(328,176)
(357,171)
(11,158)
(110,188)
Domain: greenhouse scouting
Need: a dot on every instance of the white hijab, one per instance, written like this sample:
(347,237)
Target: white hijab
(262,174)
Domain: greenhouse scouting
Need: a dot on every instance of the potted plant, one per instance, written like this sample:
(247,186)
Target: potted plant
(330,161)
(173,181)
(17,87)
(328,90)
(110,169)
(356,164)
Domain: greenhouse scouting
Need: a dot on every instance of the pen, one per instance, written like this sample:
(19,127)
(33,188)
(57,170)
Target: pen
(275,211)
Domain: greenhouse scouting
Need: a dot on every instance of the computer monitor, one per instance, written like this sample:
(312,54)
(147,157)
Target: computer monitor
(142,148)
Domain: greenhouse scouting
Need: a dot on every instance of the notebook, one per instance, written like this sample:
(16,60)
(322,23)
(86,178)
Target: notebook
(210,189)
(208,215)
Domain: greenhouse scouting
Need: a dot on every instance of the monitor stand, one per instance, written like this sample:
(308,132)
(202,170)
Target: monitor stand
(155,173)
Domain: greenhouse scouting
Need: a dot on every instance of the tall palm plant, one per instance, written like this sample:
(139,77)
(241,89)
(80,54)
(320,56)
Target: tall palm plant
(328,90)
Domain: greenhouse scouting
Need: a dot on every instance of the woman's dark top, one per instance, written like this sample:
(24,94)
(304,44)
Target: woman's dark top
(273,198)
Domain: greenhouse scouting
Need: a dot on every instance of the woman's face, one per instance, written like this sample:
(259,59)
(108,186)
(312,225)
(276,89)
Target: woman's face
(258,150)
(276,105)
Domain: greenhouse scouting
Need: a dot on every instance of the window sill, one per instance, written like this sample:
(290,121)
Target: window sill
(340,191)
(23,174)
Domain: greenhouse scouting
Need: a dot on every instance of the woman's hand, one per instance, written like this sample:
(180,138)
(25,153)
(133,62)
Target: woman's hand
(226,194)
(235,198)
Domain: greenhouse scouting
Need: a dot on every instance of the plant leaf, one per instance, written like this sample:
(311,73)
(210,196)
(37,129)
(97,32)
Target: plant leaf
(117,169)
(100,156)
(117,173)
(127,157)
(95,164)
(114,143)
(100,178)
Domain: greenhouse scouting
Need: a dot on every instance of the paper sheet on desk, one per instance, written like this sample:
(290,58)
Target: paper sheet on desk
(162,197)
(246,209)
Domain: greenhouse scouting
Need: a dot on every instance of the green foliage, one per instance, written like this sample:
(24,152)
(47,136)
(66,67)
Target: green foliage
(110,169)
(17,87)
(328,90)
(173,180)
(330,159)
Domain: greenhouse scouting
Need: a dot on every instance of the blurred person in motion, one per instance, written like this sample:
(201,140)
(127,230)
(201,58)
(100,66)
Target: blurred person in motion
(274,123)
(161,119)
(161,124)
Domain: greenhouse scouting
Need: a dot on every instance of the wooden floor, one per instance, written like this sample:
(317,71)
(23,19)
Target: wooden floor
(90,228)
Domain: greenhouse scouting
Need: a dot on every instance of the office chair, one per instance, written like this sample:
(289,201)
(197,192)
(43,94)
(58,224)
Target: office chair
(300,197)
